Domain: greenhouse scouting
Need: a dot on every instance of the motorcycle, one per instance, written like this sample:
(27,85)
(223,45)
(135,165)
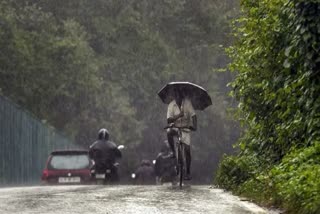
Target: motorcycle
(104,173)
(135,177)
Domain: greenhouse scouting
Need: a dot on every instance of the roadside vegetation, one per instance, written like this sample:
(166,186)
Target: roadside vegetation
(277,61)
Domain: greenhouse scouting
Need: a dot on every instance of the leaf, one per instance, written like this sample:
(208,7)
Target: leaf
(286,64)
(287,51)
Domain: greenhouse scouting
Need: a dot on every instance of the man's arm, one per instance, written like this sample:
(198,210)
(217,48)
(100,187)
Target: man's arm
(90,154)
(117,153)
(174,118)
(91,148)
(192,113)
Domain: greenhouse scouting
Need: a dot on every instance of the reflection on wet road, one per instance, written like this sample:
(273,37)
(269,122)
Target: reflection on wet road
(122,199)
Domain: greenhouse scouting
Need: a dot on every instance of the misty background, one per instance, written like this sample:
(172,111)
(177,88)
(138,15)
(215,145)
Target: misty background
(81,65)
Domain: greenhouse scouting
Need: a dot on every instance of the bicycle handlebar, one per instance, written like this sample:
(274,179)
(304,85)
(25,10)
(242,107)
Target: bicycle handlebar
(173,126)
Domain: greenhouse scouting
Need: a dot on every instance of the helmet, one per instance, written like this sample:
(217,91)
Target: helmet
(103,134)
(145,163)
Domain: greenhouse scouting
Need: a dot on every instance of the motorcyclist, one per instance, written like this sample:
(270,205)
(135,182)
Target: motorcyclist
(165,165)
(145,173)
(104,153)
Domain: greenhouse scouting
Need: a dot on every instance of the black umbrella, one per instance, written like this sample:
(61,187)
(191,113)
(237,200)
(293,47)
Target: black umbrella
(199,96)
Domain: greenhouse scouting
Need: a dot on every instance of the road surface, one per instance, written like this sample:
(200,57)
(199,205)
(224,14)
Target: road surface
(122,199)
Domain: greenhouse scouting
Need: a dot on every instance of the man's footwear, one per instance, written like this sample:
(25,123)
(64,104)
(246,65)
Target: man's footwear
(187,177)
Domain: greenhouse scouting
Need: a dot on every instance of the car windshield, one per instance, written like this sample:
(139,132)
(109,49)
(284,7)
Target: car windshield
(79,161)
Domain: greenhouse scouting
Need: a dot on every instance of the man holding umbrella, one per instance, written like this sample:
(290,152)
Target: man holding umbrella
(182,114)
(183,98)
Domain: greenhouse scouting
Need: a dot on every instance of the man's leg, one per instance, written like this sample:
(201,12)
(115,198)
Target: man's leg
(170,135)
(186,138)
(114,174)
(188,160)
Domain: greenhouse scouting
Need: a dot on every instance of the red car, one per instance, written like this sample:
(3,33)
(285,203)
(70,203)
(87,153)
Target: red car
(67,167)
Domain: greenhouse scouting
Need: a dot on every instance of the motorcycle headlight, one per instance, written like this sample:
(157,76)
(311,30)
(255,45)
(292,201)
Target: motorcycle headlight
(133,175)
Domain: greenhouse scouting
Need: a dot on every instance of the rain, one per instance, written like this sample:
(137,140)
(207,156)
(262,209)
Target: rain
(136,106)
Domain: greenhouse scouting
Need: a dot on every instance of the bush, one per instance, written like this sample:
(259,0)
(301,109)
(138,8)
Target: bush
(293,184)
(235,170)
(297,180)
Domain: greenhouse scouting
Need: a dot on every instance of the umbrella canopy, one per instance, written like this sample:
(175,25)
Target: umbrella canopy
(199,96)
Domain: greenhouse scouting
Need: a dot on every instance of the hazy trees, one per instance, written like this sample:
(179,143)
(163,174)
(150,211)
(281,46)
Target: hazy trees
(82,65)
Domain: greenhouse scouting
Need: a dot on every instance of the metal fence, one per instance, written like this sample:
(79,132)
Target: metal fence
(25,144)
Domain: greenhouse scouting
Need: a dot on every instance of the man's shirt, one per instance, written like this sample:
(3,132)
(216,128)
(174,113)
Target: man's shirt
(188,110)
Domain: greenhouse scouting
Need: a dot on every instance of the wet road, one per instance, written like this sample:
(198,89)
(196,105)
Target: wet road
(122,199)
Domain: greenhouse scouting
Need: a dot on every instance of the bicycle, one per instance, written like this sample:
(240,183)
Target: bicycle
(180,154)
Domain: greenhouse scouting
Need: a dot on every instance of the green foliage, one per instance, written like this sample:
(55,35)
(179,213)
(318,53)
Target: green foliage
(246,175)
(297,180)
(44,64)
(277,85)
(49,66)
(235,170)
